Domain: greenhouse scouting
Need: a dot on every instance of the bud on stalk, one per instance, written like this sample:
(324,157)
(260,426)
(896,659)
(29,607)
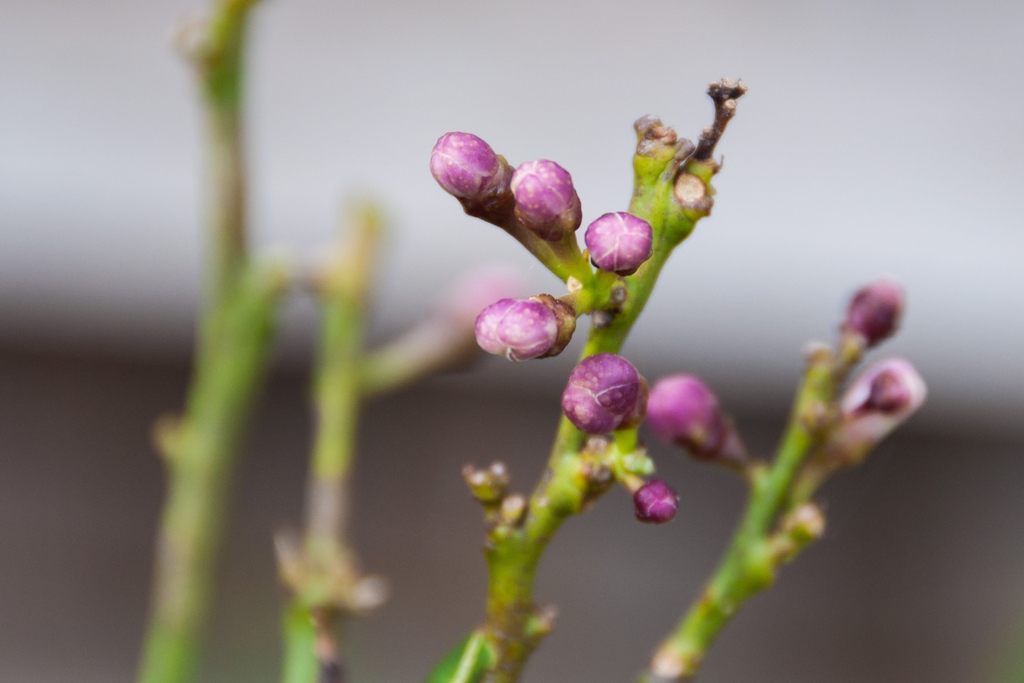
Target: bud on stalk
(684,411)
(619,242)
(546,201)
(655,502)
(521,329)
(875,311)
(604,393)
(877,402)
(466,167)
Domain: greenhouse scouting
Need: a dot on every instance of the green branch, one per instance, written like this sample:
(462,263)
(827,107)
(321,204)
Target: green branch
(235,335)
(324,577)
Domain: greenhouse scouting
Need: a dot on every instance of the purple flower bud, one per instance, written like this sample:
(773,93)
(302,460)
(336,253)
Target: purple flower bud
(464,165)
(619,242)
(546,200)
(603,391)
(875,310)
(877,401)
(683,411)
(655,502)
(520,329)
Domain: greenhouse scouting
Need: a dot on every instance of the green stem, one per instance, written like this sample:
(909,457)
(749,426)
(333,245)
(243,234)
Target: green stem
(514,626)
(749,565)
(201,451)
(234,342)
(328,575)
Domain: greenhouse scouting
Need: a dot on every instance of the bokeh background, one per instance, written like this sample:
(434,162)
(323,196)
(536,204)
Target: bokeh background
(878,137)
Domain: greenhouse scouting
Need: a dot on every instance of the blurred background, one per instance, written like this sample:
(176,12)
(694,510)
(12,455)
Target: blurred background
(877,138)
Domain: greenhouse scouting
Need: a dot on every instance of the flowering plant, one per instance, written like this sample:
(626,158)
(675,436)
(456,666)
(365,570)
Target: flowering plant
(834,423)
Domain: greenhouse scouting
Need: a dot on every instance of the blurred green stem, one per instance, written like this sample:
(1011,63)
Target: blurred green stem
(235,335)
(326,578)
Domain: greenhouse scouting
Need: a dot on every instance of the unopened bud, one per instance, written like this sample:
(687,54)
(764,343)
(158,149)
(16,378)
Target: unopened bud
(878,400)
(655,502)
(603,391)
(619,242)
(684,411)
(465,166)
(546,200)
(875,311)
(520,329)
(805,524)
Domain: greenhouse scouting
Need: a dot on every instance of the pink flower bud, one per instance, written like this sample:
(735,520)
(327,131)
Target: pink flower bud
(520,329)
(464,165)
(684,411)
(655,502)
(875,310)
(619,242)
(546,200)
(878,400)
(604,390)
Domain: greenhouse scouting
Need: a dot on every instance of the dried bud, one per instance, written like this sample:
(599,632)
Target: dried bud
(604,390)
(881,398)
(655,502)
(465,166)
(520,329)
(619,242)
(684,411)
(546,200)
(875,311)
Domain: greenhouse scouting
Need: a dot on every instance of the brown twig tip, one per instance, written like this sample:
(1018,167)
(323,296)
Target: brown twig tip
(724,93)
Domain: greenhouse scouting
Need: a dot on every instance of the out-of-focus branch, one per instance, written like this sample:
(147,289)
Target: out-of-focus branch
(236,328)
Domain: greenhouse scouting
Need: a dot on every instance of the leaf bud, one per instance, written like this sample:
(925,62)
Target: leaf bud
(619,242)
(546,200)
(875,311)
(684,411)
(521,329)
(603,392)
(655,502)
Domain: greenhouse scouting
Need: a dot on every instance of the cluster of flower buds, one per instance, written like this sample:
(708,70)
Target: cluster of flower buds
(877,401)
(684,411)
(544,201)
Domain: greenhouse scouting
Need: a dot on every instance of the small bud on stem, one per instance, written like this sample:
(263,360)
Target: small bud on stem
(881,398)
(875,311)
(619,242)
(466,167)
(684,411)
(546,201)
(521,329)
(655,502)
(604,390)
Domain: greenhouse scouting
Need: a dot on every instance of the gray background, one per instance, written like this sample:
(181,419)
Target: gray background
(878,137)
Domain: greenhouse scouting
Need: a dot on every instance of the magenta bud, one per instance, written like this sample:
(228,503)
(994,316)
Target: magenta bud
(521,329)
(619,242)
(655,502)
(546,200)
(877,401)
(875,310)
(684,411)
(604,391)
(464,165)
